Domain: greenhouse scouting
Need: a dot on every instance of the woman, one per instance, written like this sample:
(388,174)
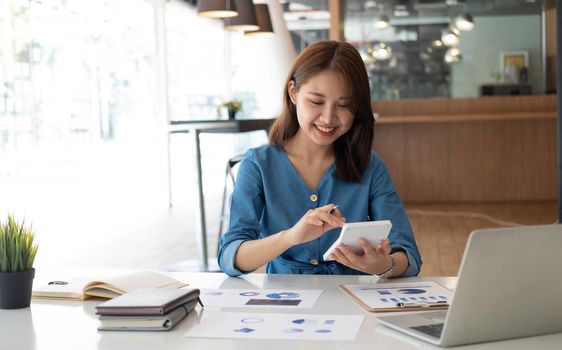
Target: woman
(319,156)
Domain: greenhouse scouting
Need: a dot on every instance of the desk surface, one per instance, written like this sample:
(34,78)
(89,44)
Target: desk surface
(73,325)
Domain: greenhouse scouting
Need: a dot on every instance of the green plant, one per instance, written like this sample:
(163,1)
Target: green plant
(17,251)
(233,105)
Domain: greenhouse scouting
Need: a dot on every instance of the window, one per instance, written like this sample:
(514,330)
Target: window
(197,63)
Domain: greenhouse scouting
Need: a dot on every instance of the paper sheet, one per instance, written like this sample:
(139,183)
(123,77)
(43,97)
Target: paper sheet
(276,326)
(260,298)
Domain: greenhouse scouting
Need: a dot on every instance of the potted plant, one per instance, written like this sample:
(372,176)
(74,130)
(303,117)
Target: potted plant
(17,253)
(233,107)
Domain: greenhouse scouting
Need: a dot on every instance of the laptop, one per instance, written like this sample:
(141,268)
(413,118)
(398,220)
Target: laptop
(509,286)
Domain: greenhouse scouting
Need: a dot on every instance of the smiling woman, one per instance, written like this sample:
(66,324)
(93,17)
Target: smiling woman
(319,158)
(345,77)
(322,107)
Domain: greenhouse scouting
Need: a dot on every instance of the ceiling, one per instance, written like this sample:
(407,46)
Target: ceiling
(426,7)
(445,7)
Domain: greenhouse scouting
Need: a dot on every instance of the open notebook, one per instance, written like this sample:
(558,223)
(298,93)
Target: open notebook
(84,288)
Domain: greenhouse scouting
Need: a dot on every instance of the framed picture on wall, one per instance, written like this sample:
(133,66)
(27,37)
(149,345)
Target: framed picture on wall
(512,64)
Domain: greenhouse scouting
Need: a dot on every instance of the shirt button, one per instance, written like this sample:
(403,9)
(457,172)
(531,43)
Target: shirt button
(313,197)
(314,262)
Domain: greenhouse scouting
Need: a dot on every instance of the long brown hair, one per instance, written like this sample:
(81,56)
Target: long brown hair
(353,149)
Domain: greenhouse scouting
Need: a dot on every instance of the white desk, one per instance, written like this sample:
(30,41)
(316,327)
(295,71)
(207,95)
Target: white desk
(195,128)
(72,325)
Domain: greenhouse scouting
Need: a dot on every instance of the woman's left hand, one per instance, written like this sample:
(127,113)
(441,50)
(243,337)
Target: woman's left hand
(373,260)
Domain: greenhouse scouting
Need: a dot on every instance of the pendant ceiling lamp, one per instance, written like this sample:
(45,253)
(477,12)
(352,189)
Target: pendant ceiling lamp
(264,22)
(449,38)
(464,22)
(216,8)
(453,55)
(383,22)
(246,19)
(382,52)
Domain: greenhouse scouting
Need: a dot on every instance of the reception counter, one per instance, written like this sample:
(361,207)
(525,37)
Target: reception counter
(484,149)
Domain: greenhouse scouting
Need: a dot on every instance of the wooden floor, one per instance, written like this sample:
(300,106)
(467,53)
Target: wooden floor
(442,230)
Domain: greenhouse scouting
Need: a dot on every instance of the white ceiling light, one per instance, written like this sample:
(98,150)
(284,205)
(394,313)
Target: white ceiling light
(382,52)
(453,55)
(401,11)
(437,43)
(383,22)
(449,38)
(464,22)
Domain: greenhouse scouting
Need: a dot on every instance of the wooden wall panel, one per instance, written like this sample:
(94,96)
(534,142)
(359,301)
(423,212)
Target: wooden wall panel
(472,161)
(460,106)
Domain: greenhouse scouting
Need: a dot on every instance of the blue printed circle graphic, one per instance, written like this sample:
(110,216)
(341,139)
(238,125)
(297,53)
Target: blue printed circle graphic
(213,293)
(323,331)
(411,291)
(293,330)
(249,294)
(252,320)
(283,295)
(303,321)
(244,330)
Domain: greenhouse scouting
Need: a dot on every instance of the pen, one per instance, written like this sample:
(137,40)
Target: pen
(423,304)
(333,209)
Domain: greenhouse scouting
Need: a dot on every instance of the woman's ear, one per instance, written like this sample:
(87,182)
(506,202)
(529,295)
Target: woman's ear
(292,91)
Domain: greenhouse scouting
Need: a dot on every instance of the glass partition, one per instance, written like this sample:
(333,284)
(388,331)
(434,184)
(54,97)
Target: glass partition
(308,21)
(448,48)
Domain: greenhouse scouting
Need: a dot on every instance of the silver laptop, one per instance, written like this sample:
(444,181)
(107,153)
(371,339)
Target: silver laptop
(509,286)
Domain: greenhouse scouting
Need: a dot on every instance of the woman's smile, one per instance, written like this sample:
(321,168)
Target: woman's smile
(325,130)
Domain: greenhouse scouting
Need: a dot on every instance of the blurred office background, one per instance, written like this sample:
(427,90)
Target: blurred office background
(87,89)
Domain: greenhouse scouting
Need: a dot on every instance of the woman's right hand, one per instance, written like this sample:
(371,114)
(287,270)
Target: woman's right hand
(314,223)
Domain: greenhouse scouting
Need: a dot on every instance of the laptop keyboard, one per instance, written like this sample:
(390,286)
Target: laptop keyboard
(433,330)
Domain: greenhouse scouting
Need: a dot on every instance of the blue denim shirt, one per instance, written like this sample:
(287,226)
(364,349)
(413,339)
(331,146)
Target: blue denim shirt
(270,196)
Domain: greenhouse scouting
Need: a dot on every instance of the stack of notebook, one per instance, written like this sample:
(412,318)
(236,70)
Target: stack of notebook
(147,309)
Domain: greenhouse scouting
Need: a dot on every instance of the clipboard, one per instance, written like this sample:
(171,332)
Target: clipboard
(398,297)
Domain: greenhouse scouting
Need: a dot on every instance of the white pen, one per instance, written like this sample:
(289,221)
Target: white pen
(423,304)
(333,209)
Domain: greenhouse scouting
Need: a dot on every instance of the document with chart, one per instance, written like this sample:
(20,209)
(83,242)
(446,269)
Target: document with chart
(241,325)
(408,296)
(260,298)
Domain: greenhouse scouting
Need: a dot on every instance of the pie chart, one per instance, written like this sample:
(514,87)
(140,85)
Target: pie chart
(283,295)
(411,291)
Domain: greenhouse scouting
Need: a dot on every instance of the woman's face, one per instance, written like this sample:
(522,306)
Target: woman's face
(323,108)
